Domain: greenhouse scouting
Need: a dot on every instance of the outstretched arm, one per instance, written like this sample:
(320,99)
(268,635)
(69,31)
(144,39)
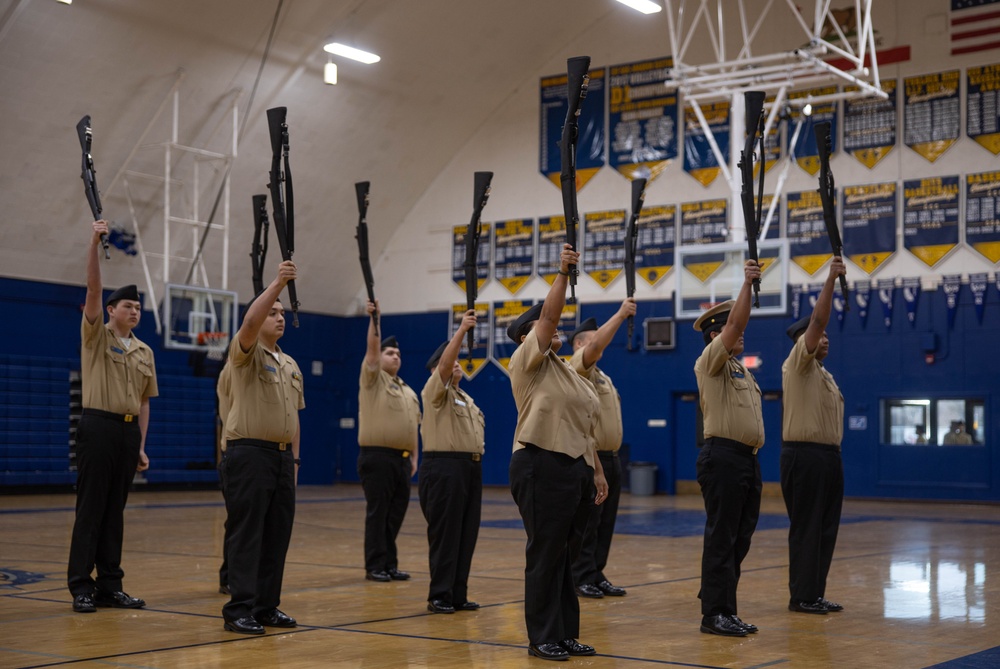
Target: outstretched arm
(261,307)
(552,308)
(92,305)
(594,349)
(450,354)
(740,315)
(821,314)
(373,347)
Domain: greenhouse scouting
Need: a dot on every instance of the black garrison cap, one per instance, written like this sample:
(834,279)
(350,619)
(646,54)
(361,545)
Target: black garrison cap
(436,356)
(586,326)
(520,326)
(797,327)
(129,292)
(390,342)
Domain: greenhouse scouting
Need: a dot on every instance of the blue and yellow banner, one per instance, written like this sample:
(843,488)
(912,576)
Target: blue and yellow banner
(604,239)
(808,242)
(982,214)
(870,125)
(870,216)
(704,222)
(505,313)
(982,106)
(642,118)
(551,237)
(480,337)
(483,254)
(930,217)
(699,159)
(931,113)
(772,144)
(654,253)
(514,252)
(590,146)
(805,150)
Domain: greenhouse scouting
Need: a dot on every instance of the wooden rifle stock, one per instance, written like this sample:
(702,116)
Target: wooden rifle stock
(88,173)
(576,91)
(282,201)
(754,103)
(480,195)
(827,193)
(631,242)
(361,234)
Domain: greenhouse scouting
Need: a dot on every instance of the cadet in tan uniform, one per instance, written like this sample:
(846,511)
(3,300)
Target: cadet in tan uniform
(588,343)
(728,470)
(554,471)
(119,377)
(261,463)
(388,419)
(451,475)
(812,473)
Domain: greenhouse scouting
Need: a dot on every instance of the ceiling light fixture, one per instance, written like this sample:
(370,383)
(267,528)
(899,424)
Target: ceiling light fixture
(330,73)
(66,2)
(338,49)
(644,6)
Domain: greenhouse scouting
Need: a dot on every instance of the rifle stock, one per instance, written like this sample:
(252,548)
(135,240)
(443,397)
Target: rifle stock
(361,234)
(754,105)
(258,248)
(576,91)
(480,195)
(631,242)
(88,173)
(282,202)
(827,193)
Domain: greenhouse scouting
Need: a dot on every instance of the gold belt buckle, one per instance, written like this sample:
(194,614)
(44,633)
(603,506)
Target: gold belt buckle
(476,457)
(755,450)
(129,418)
(282,447)
(406,454)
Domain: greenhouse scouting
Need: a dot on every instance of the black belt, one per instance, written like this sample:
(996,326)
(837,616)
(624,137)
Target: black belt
(733,444)
(386,449)
(607,454)
(809,444)
(120,417)
(458,455)
(274,445)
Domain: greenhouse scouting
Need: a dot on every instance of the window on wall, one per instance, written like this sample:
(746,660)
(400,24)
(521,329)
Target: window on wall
(951,421)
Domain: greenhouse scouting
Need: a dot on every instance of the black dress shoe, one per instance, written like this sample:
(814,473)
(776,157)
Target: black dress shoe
(830,606)
(808,607)
(751,629)
(574,647)
(118,600)
(440,606)
(589,590)
(548,651)
(224,589)
(611,590)
(245,625)
(722,625)
(397,575)
(275,618)
(467,606)
(84,604)
(379,575)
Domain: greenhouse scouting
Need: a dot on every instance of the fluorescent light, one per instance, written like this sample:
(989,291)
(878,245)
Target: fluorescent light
(66,2)
(338,49)
(330,74)
(644,6)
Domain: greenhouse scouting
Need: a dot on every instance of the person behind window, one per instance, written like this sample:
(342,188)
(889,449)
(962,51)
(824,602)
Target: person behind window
(921,436)
(957,434)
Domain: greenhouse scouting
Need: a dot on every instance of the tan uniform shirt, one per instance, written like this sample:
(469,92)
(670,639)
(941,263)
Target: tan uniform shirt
(452,421)
(556,408)
(608,431)
(114,378)
(223,390)
(729,396)
(265,396)
(813,404)
(388,411)
(961,439)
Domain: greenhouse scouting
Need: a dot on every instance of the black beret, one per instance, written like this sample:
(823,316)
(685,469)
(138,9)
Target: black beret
(586,326)
(433,360)
(798,326)
(129,292)
(717,315)
(390,342)
(520,326)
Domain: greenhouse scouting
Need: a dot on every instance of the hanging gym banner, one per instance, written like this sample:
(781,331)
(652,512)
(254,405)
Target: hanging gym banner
(551,237)
(808,243)
(590,147)
(604,239)
(514,252)
(977,286)
(870,125)
(703,223)
(699,159)
(505,313)
(483,254)
(862,297)
(654,254)
(982,214)
(805,150)
(642,118)
(930,217)
(952,286)
(480,337)
(886,293)
(911,297)
(869,215)
(982,106)
(772,144)
(931,113)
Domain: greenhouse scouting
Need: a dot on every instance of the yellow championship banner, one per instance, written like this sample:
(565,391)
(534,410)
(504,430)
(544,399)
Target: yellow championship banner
(870,125)
(604,239)
(931,113)
(642,118)
(591,143)
(703,223)
(699,159)
(551,237)
(805,150)
(809,244)
(458,255)
(514,252)
(930,217)
(982,214)
(654,254)
(471,364)
(982,106)
(869,215)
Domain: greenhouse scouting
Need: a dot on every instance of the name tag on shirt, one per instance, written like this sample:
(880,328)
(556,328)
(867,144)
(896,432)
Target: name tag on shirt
(115,349)
(270,369)
(739,375)
(460,403)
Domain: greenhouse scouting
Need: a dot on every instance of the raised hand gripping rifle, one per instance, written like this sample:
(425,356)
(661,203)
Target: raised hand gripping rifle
(361,234)
(576,90)
(258,248)
(87,174)
(631,241)
(827,193)
(282,199)
(754,101)
(480,194)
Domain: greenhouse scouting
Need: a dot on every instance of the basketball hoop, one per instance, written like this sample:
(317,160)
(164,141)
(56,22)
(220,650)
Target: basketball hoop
(214,344)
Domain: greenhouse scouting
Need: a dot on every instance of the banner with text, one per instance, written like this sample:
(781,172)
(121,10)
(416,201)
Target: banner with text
(654,254)
(591,143)
(483,254)
(869,215)
(931,113)
(514,252)
(699,159)
(604,239)
(642,120)
(930,217)
(505,313)
(982,106)
(480,337)
(808,243)
(551,237)
(805,150)
(870,125)
(704,222)
(982,214)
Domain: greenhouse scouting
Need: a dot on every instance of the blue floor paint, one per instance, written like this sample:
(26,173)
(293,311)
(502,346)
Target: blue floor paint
(987,659)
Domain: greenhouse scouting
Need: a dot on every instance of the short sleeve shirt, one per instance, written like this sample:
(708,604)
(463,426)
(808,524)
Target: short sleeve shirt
(812,402)
(115,378)
(266,394)
(729,396)
(608,430)
(556,408)
(388,410)
(452,421)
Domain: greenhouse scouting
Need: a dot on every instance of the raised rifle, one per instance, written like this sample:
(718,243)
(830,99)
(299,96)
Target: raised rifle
(258,248)
(480,194)
(631,241)
(282,200)
(361,234)
(827,194)
(89,180)
(577,82)
(754,102)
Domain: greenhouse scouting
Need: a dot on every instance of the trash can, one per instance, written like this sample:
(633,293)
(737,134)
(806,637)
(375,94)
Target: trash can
(642,478)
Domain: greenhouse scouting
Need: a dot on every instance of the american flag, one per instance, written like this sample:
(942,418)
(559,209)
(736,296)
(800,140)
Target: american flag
(975,25)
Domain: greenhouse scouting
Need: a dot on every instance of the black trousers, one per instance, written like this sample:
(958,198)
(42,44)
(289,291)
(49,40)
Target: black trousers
(451,496)
(554,493)
(596,545)
(107,452)
(812,483)
(224,567)
(729,476)
(260,503)
(385,478)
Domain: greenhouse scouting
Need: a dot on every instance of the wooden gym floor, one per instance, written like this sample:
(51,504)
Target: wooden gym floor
(920,584)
